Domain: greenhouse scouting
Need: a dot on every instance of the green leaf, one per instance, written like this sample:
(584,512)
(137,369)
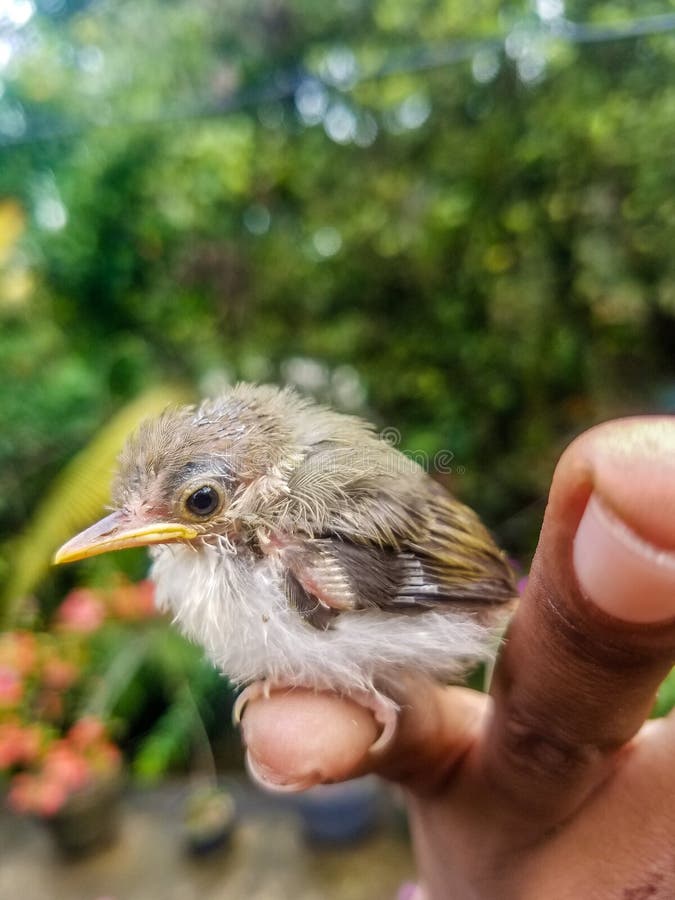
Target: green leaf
(77,496)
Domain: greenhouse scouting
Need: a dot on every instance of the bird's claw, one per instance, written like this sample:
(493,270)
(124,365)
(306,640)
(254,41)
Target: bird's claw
(253,692)
(385,712)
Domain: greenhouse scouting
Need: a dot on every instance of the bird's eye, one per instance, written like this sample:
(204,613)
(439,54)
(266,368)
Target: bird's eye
(203,501)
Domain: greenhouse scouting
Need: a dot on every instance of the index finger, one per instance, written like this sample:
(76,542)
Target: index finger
(299,738)
(595,633)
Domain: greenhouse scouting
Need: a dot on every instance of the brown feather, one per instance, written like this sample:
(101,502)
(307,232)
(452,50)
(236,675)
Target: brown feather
(449,558)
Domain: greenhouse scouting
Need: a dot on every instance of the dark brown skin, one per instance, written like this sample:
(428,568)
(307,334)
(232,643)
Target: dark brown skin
(552,787)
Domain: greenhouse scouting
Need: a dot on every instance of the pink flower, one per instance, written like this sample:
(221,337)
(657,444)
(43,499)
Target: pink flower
(59,674)
(31,793)
(19,744)
(145,591)
(18,650)
(11,687)
(88,736)
(21,792)
(51,796)
(29,744)
(64,769)
(82,610)
(134,601)
(86,731)
(65,766)
(9,744)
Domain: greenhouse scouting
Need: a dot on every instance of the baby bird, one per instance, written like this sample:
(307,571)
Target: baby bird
(300,549)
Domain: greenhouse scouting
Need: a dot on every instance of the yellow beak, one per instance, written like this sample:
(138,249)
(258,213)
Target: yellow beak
(117,532)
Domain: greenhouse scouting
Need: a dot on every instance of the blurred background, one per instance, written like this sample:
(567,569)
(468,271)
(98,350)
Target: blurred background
(454,219)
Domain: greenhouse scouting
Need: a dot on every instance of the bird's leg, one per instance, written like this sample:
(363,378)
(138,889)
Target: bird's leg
(385,712)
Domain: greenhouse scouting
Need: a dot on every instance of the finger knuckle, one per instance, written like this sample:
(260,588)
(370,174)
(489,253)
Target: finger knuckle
(540,750)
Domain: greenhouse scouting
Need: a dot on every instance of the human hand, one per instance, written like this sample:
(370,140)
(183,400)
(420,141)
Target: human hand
(554,786)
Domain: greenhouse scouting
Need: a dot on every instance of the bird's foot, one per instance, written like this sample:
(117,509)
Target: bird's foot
(385,712)
(254,691)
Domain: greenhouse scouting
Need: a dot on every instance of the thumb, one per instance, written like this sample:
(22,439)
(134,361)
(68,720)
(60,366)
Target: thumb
(299,738)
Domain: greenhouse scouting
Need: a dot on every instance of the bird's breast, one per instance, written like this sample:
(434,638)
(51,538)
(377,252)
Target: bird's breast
(226,602)
(234,605)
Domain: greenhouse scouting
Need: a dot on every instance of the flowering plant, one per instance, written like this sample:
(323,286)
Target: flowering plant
(51,745)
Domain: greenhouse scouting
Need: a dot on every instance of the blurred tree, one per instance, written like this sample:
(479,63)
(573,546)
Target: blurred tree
(454,218)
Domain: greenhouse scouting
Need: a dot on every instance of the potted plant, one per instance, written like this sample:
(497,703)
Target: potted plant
(209,819)
(88,673)
(72,782)
(337,814)
(56,754)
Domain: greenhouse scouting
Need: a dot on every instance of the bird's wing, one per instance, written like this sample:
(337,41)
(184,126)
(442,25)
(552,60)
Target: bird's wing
(397,543)
(458,555)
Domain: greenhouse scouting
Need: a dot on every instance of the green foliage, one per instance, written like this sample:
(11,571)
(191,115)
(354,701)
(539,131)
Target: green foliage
(171,743)
(192,692)
(490,254)
(74,500)
(665,700)
(469,242)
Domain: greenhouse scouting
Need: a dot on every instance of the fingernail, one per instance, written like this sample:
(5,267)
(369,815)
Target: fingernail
(275,782)
(623,574)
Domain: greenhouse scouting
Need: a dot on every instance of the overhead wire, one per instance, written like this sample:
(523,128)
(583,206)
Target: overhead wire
(283,84)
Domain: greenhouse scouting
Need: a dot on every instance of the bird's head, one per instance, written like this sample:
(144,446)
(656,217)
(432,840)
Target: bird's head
(192,475)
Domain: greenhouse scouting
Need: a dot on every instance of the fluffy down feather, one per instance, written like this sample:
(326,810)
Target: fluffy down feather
(237,610)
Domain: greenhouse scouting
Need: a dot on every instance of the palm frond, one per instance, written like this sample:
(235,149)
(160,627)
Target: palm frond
(76,497)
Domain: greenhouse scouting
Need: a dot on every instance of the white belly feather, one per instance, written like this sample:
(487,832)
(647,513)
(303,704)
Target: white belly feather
(234,606)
